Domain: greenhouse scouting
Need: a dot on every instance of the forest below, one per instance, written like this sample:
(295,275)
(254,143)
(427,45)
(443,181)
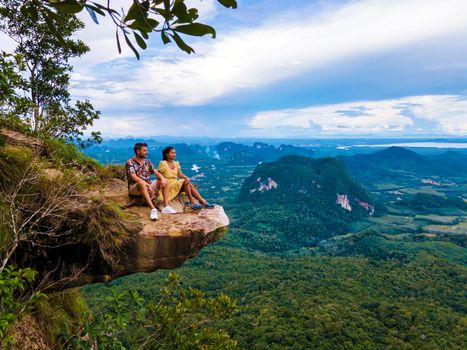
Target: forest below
(307,273)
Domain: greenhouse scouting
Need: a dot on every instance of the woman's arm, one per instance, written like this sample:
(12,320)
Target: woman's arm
(182,175)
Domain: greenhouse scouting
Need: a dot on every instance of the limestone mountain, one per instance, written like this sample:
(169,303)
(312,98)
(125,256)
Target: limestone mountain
(297,201)
(240,154)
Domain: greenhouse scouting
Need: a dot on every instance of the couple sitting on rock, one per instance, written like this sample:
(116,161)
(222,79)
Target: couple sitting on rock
(170,180)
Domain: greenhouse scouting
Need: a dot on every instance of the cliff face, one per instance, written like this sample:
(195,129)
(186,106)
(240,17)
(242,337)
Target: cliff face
(92,231)
(165,243)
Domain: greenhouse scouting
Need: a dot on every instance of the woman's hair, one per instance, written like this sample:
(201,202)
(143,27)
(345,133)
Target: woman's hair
(166,151)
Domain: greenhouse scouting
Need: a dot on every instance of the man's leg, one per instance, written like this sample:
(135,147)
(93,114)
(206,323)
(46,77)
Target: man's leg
(143,189)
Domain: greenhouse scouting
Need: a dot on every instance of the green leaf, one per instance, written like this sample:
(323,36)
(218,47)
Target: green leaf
(141,26)
(195,29)
(50,25)
(104,9)
(134,12)
(181,44)
(92,14)
(118,42)
(30,11)
(179,9)
(68,6)
(131,45)
(192,14)
(165,38)
(152,22)
(228,3)
(140,41)
(96,9)
(144,25)
(52,15)
(162,12)
(145,5)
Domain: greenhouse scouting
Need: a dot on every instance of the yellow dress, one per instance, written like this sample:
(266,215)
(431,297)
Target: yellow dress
(175,184)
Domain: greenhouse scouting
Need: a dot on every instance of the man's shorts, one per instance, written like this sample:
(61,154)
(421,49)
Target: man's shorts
(135,191)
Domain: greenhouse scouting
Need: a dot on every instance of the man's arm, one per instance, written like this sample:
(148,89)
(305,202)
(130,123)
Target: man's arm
(132,172)
(159,176)
(136,178)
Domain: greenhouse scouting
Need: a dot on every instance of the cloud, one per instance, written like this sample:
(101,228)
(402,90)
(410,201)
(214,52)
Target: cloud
(102,41)
(144,125)
(250,58)
(134,124)
(426,115)
(412,115)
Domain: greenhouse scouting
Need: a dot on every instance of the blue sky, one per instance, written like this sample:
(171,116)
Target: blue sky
(289,69)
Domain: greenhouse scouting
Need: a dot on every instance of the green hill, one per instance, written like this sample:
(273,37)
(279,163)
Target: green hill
(297,201)
(451,159)
(399,165)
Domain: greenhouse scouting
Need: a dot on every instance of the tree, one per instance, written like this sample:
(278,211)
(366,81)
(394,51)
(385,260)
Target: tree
(182,318)
(15,298)
(10,77)
(11,68)
(47,68)
(169,18)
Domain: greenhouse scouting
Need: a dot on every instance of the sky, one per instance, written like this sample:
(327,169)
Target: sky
(295,68)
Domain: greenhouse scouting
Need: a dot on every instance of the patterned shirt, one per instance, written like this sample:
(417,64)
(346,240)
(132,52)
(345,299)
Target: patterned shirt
(143,170)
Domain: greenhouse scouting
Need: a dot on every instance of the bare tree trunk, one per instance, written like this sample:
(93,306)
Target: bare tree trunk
(25,222)
(34,99)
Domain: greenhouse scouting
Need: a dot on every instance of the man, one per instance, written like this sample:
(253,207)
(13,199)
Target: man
(138,173)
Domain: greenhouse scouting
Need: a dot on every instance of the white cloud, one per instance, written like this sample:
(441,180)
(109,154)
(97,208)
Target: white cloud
(102,40)
(134,125)
(437,114)
(254,57)
(144,125)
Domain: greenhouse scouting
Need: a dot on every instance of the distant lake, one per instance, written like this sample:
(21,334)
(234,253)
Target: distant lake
(421,144)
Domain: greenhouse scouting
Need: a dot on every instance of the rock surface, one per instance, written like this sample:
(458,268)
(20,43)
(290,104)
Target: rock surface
(17,138)
(28,334)
(165,243)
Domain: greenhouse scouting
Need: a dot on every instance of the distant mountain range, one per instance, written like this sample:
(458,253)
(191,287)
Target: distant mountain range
(236,153)
(232,153)
(396,163)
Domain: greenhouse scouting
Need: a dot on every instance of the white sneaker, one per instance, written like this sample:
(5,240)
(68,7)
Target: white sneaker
(168,210)
(153,215)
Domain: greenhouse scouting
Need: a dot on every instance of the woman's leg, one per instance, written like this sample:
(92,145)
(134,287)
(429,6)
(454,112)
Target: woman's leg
(197,195)
(165,193)
(187,188)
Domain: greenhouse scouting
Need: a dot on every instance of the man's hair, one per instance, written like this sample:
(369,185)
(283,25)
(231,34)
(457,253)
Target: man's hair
(166,151)
(138,146)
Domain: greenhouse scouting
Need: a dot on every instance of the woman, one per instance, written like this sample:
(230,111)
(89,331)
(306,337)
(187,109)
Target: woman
(170,169)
